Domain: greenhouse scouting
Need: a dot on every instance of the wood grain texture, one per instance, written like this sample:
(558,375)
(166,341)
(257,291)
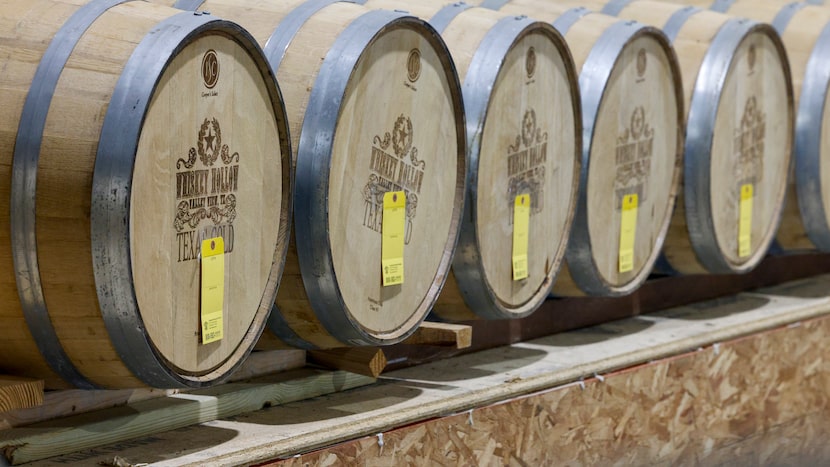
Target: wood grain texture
(26,30)
(753,94)
(366,361)
(379,101)
(457,336)
(757,400)
(639,109)
(800,37)
(529,110)
(374,107)
(235,117)
(64,183)
(19,393)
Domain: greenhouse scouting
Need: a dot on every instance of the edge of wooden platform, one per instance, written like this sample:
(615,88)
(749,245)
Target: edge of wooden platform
(89,430)
(462,383)
(510,389)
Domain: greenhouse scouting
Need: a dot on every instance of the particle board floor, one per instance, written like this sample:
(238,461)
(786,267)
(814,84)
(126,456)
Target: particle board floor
(452,386)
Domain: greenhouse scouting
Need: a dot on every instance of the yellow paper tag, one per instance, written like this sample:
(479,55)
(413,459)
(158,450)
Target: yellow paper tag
(391,249)
(745,222)
(521,227)
(628,232)
(213,289)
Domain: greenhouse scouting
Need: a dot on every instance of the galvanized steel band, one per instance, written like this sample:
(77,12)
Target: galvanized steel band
(313,166)
(785,15)
(111,192)
(722,6)
(493,4)
(24,183)
(278,42)
(593,80)
(700,128)
(614,7)
(445,15)
(284,33)
(564,22)
(188,5)
(676,21)
(478,86)
(808,136)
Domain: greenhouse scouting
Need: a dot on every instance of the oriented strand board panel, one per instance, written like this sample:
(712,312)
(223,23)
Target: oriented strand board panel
(731,382)
(761,400)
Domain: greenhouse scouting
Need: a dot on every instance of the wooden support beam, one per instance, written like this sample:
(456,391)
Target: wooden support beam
(19,393)
(371,361)
(58,404)
(367,361)
(48,439)
(261,363)
(457,336)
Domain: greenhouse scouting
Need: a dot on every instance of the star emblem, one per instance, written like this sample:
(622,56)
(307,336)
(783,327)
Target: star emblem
(210,138)
(528,127)
(638,119)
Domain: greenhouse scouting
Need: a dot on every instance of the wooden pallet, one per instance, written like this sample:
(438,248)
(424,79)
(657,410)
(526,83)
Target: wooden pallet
(473,382)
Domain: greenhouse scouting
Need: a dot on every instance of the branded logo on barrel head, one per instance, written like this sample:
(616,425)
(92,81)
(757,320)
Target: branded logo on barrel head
(206,192)
(526,160)
(638,122)
(749,143)
(530,62)
(635,147)
(210,68)
(402,171)
(413,65)
(751,57)
(642,63)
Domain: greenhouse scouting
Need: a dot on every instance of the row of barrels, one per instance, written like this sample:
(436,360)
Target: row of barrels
(143,141)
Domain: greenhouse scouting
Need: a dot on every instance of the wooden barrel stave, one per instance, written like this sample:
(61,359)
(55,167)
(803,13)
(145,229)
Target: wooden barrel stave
(314,311)
(706,40)
(78,339)
(805,32)
(600,40)
(484,45)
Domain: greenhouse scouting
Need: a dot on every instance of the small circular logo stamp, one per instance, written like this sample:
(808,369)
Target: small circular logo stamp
(413,65)
(751,57)
(210,68)
(642,63)
(530,62)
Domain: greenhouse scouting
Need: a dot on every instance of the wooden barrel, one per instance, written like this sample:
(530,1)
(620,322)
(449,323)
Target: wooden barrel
(523,138)
(805,31)
(375,107)
(632,106)
(131,133)
(739,135)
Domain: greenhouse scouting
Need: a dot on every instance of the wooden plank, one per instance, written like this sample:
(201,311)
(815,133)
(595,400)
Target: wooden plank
(457,336)
(58,404)
(371,361)
(367,361)
(19,393)
(480,379)
(43,440)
